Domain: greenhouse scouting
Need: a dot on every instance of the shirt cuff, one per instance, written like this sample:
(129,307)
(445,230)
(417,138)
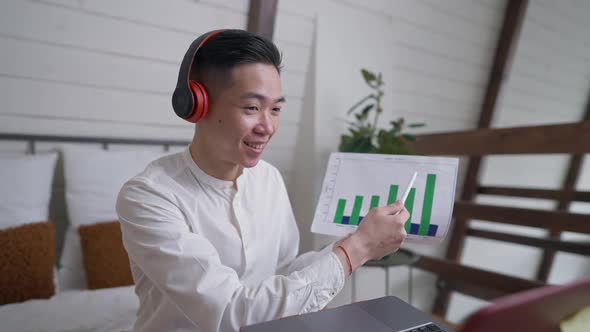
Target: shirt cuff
(329,278)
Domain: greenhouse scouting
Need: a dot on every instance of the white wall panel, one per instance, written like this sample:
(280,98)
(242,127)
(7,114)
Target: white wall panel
(28,59)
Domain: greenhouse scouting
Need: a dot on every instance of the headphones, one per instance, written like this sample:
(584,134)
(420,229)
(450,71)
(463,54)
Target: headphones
(190,100)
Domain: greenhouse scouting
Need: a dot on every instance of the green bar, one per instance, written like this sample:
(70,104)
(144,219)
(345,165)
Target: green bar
(409,206)
(392,194)
(427,205)
(356,210)
(339,211)
(374,201)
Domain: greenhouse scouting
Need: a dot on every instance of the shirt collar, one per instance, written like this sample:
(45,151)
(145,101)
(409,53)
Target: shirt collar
(208,179)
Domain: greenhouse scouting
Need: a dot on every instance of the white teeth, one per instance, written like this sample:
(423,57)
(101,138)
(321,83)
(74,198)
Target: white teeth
(255,146)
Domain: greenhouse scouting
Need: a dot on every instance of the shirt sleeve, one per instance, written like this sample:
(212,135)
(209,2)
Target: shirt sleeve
(289,262)
(186,268)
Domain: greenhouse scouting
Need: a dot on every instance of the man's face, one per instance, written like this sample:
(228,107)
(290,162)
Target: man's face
(244,115)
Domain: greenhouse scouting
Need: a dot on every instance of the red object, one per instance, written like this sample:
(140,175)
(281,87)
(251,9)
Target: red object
(347,259)
(540,309)
(199,94)
(200,101)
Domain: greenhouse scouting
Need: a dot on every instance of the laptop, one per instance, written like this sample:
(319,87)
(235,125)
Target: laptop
(541,310)
(385,314)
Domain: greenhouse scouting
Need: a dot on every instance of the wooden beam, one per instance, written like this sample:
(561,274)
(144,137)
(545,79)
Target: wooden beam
(580,248)
(551,220)
(554,194)
(582,196)
(548,139)
(519,192)
(473,281)
(507,41)
(261,17)
(568,193)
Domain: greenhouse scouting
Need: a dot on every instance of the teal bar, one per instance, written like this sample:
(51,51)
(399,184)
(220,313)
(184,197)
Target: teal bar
(409,206)
(427,205)
(339,211)
(374,201)
(392,194)
(356,210)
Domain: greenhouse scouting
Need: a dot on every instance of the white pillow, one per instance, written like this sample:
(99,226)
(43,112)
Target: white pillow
(25,189)
(93,179)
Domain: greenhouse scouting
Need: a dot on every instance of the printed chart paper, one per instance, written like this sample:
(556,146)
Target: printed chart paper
(356,182)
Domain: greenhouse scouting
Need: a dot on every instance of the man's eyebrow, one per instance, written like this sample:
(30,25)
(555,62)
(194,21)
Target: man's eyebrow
(260,97)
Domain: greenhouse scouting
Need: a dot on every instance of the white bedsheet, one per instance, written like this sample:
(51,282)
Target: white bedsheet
(104,310)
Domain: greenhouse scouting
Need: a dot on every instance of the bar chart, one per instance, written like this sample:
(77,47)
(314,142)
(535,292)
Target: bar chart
(356,183)
(423,228)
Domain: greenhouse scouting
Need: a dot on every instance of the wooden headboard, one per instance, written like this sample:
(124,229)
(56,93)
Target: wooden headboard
(104,141)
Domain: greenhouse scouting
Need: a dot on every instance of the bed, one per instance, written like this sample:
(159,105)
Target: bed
(58,199)
(101,310)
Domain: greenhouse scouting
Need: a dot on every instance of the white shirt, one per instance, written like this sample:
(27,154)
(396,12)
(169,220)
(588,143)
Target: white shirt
(206,257)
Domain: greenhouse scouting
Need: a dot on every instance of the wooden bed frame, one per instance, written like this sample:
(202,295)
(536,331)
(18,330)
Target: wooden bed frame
(104,141)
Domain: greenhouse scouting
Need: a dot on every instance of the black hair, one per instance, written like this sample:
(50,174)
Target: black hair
(231,48)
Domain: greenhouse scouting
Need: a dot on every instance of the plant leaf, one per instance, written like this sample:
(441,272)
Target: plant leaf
(368,76)
(358,103)
(416,125)
(365,111)
(356,144)
(409,137)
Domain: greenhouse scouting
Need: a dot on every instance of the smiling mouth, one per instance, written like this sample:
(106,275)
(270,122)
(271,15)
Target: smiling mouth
(254,146)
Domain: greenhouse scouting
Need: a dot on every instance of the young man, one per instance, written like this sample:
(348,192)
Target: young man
(210,231)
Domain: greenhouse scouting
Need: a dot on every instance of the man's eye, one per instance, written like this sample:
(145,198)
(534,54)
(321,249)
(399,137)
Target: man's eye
(251,108)
(276,109)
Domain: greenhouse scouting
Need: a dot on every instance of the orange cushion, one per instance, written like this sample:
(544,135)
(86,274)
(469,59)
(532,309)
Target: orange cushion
(105,260)
(27,259)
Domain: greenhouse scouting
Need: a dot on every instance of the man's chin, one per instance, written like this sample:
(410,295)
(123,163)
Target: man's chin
(250,163)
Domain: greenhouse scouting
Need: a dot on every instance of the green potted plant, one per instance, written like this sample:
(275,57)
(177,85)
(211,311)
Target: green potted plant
(364,135)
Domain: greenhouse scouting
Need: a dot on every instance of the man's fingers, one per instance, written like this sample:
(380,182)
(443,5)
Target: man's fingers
(404,214)
(394,208)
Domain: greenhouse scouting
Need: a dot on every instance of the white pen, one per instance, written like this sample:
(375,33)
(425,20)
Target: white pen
(407,191)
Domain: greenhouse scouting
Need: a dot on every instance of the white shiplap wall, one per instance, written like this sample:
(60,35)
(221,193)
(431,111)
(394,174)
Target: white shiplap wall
(548,83)
(441,54)
(108,68)
(437,61)
(444,52)
(97,67)
(293,35)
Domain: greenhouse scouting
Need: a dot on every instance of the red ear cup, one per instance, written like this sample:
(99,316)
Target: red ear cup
(201,101)
(190,100)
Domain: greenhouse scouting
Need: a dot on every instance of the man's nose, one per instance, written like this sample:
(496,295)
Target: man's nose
(266,124)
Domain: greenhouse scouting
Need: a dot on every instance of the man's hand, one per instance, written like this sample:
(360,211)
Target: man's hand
(380,233)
